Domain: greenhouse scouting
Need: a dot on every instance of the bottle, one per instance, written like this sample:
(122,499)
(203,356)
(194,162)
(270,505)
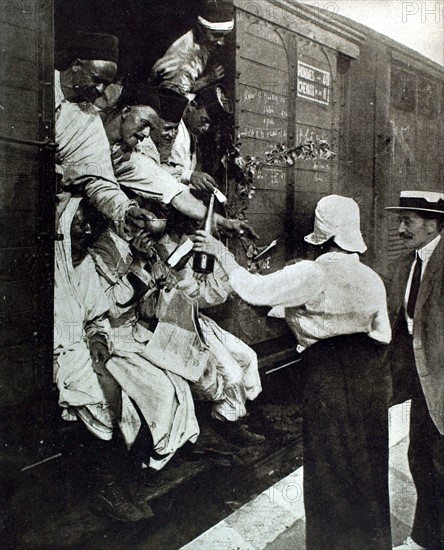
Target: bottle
(203,262)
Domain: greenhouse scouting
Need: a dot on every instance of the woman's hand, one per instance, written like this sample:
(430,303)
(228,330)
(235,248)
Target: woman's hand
(204,242)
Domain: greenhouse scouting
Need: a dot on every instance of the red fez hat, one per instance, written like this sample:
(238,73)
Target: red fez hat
(217,15)
(94,46)
(140,94)
(172,105)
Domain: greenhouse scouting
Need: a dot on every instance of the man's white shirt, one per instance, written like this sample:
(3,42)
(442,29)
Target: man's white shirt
(425,253)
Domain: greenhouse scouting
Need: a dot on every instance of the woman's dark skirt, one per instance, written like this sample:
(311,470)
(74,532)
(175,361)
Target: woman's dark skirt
(346,392)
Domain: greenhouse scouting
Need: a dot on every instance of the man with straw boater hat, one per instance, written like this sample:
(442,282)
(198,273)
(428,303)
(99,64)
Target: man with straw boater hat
(416,307)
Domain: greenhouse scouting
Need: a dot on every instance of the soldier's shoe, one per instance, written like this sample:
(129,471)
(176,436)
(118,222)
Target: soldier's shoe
(237,433)
(114,503)
(409,544)
(218,451)
(150,478)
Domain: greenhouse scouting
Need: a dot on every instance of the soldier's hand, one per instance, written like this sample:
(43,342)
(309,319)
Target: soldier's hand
(171,281)
(99,355)
(233,228)
(142,243)
(202,182)
(145,219)
(217,73)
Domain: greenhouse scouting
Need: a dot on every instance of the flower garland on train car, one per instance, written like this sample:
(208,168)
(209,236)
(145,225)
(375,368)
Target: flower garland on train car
(244,170)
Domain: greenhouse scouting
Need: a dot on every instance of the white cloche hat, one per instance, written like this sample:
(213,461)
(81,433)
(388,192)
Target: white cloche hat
(338,218)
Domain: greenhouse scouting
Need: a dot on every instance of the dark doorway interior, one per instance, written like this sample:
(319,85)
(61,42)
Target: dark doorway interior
(145,28)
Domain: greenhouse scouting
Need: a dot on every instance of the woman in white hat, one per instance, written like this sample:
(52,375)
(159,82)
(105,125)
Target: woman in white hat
(336,308)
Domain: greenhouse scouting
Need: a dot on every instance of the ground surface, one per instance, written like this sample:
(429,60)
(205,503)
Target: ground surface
(275,519)
(50,505)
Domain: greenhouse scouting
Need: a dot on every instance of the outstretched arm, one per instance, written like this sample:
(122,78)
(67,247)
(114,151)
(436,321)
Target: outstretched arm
(193,208)
(289,287)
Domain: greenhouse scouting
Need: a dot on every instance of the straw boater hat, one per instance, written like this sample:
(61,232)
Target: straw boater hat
(217,15)
(337,218)
(421,201)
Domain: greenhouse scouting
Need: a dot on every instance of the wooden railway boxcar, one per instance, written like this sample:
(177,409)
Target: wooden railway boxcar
(296,74)
(305,74)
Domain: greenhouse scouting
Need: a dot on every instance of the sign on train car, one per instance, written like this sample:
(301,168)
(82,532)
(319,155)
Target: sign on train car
(313,83)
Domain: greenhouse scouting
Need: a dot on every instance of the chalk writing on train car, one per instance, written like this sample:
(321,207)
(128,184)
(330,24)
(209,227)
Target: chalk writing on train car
(264,102)
(274,177)
(270,134)
(315,166)
(255,95)
(313,83)
(309,133)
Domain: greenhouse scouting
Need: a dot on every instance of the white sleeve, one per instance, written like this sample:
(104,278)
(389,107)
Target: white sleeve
(291,286)
(141,174)
(83,155)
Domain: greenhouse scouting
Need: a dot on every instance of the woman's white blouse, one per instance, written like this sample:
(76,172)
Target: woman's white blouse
(334,295)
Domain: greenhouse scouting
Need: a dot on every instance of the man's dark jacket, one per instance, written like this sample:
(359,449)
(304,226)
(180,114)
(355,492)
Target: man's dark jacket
(428,329)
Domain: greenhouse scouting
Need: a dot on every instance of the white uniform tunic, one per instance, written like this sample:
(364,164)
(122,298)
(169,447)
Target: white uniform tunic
(83,155)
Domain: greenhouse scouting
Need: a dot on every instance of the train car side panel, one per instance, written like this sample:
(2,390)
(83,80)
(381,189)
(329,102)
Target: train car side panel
(26,199)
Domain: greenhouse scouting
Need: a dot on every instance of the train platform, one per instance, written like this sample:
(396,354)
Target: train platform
(254,503)
(274,520)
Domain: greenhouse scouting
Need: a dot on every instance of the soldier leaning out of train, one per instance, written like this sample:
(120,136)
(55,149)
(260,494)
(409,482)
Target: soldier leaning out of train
(183,67)
(131,281)
(137,167)
(182,160)
(135,133)
(87,66)
(337,309)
